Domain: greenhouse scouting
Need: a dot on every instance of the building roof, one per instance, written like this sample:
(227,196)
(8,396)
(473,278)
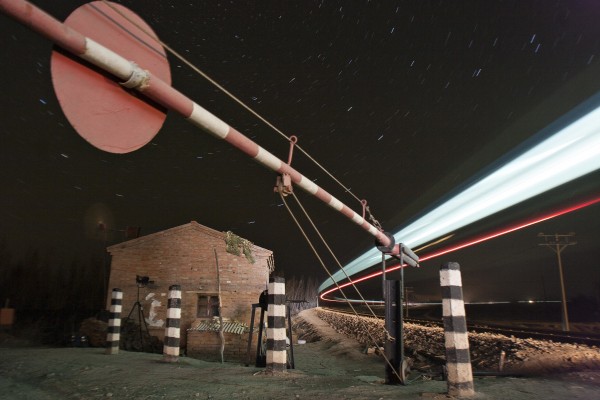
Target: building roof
(193,225)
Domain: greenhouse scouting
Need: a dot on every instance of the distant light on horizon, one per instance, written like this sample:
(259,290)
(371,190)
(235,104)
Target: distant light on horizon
(571,152)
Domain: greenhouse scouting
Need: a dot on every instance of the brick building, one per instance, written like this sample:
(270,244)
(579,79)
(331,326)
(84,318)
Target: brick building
(185,255)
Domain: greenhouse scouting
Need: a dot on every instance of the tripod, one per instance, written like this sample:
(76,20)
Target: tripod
(140,315)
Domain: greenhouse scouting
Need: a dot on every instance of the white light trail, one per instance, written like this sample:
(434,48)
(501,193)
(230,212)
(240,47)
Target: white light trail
(573,151)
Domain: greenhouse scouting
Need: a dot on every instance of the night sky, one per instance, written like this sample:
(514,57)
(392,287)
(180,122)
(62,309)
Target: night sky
(402,101)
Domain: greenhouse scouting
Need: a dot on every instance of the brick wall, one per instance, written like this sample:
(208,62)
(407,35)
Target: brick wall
(184,255)
(207,346)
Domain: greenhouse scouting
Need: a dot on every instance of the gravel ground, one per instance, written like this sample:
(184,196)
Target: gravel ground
(334,367)
(522,356)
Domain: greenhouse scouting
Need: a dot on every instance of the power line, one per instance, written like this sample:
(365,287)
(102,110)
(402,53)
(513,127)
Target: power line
(244,105)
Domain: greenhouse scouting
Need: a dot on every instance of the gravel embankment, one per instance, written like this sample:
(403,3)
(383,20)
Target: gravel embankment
(525,356)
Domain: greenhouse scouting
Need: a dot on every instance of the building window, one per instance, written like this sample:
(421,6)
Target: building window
(208,306)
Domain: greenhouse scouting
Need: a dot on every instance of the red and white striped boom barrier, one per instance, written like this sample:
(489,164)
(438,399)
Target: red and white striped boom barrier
(136,77)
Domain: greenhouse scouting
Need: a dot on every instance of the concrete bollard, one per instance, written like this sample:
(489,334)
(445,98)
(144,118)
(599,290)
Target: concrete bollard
(458,360)
(113,335)
(276,335)
(172,330)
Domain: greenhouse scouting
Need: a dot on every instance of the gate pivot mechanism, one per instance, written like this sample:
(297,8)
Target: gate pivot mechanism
(393,295)
(398,250)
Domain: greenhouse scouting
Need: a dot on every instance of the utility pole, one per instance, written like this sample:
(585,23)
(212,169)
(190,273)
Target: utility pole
(557,243)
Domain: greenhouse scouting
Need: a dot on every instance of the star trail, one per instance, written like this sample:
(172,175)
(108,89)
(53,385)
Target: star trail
(407,103)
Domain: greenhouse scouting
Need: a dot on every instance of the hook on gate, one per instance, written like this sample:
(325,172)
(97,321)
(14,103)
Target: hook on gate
(293,141)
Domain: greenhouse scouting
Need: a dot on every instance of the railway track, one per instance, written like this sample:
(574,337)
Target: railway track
(523,333)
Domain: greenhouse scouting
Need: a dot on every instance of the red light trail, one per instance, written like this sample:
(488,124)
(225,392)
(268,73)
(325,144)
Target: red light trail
(463,245)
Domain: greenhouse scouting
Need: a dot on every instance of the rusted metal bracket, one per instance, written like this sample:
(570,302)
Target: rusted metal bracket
(283,185)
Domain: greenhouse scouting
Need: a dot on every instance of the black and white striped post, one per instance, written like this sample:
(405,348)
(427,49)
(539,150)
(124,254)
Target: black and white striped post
(113,335)
(458,360)
(172,330)
(276,335)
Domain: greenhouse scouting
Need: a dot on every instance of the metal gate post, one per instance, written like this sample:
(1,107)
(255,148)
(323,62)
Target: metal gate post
(394,345)
(250,334)
(261,356)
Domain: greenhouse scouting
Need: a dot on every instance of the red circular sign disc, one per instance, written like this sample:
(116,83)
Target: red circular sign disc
(104,113)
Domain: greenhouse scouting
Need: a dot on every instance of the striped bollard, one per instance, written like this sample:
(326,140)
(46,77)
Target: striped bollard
(276,335)
(458,360)
(113,335)
(172,330)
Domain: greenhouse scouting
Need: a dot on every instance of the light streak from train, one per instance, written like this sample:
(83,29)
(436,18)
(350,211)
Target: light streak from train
(468,243)
(572,150)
